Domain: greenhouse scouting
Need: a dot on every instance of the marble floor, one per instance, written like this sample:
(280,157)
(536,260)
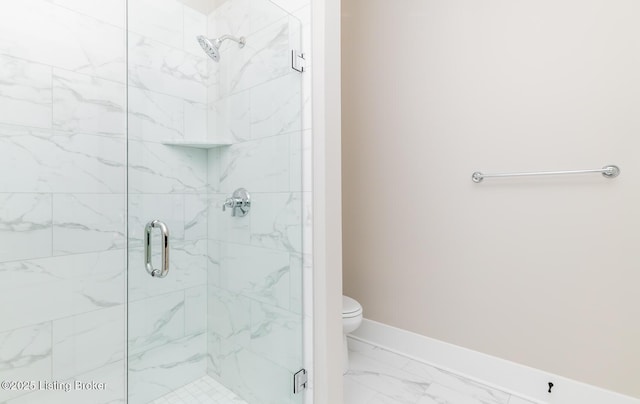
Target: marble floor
(378,376)
(202,391)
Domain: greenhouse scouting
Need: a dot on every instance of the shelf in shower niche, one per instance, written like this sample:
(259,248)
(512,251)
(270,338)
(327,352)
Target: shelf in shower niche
(197,144)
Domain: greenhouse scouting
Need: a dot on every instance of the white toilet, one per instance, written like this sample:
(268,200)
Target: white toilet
(351,320)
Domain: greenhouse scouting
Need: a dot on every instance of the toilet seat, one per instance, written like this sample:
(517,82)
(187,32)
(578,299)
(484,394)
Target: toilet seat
(350,307)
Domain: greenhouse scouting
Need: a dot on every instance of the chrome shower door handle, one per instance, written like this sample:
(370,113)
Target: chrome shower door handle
(164,232)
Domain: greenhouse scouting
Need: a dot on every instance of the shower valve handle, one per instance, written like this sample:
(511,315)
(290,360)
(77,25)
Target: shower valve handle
(231,203)
(240,203)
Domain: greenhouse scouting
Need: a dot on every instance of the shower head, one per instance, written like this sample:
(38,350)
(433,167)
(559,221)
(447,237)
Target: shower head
(209,47)
(212,46)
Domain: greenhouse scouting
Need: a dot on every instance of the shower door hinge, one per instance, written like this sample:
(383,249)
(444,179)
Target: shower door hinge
(297,61)
(300,380)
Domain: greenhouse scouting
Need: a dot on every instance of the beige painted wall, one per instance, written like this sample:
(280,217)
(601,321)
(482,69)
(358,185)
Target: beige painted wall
(544,272)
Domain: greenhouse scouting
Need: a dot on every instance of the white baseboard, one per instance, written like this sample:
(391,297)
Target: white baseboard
(513,378)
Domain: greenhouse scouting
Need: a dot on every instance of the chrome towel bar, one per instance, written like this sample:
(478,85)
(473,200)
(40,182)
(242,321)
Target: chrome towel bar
(608,171)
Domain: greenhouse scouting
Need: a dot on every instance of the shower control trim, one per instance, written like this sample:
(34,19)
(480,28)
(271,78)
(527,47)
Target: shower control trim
(164,234)
(240,203)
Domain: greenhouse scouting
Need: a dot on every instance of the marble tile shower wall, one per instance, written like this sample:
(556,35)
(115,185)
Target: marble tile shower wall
(63,117)
(256,270)
(168,76)
(62,197)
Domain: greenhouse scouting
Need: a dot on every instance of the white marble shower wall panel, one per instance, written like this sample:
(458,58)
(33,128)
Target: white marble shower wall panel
(61,162)
(85,104)
(196,214)
(276,335)
(156,66)
(62,149)
(188,268)
(159,169)
(75,339)
(265,56)
(25,354)
(267,109)
(277,222)
(258,165)
(162,20)
(195,120)
(231,314)
(195,24)
(80,297)
(156,117)
(275,107)
(25,92)
(230,117)
(42,32)
(163,322)
(259,273)
(87,222)
(169,207)
(25,229)
(64,286)
(195,303)
(167,339)
(160,370)
(111,12)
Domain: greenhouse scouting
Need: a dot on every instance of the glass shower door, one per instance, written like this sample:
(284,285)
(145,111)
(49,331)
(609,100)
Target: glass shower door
(226,320)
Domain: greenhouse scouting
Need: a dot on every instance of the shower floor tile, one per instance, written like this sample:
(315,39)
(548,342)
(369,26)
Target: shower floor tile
(378,376)
(202,391)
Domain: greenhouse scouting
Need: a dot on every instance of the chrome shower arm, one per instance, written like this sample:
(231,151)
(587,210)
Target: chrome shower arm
(241,41)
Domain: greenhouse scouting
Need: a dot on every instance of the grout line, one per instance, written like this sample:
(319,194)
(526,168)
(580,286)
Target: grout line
(184,313)
(51,223)
(52,353)
(52,100)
